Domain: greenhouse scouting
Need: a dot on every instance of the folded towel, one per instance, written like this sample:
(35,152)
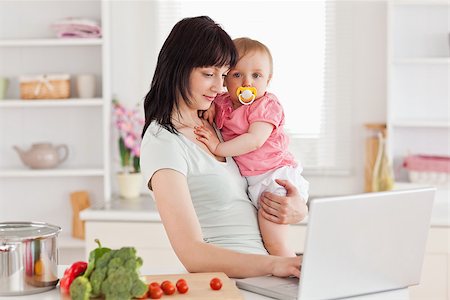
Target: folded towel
(77,28)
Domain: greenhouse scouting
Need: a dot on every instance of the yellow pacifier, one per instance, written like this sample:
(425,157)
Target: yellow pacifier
(246,95)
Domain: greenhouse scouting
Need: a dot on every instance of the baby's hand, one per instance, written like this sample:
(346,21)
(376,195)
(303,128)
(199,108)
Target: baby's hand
(207,137)
(209,114)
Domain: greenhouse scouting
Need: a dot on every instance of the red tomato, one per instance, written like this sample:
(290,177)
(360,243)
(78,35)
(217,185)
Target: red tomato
(182,287)
(155,293)
(164,283)
(153,285)
(215,284)
(168,288)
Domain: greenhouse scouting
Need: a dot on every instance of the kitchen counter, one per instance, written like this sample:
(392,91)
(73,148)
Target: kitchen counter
(122,222)
(143,209)
(55,294)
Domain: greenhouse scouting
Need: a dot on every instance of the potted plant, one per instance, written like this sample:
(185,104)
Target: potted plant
(129,126)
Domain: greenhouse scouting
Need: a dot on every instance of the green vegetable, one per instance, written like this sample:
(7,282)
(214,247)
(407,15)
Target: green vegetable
(94,256)
(96,279)
(114,275)
(80,289)
(123,283)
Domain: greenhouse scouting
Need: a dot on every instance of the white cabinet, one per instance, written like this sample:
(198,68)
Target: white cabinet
(28,46)
(149,239)
(435,280)
(152,243)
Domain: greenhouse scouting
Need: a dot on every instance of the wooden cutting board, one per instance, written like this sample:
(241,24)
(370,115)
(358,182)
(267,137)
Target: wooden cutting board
(199,286)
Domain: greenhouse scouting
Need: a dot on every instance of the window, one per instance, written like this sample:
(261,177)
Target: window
(301,36)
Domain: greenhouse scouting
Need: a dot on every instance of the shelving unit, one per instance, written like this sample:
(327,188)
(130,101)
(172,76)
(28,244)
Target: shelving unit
(422,60)
(74,102)
(418,80)
(50,42)
(29,46)
(418,119)
(52,173)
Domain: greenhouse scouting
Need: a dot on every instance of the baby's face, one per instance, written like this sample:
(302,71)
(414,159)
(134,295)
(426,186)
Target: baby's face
(252,70)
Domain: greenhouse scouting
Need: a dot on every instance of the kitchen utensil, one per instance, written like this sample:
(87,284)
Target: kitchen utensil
(43,155)
(199,286)
(28,257)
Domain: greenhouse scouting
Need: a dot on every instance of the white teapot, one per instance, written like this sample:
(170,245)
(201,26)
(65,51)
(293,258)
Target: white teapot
(43,155)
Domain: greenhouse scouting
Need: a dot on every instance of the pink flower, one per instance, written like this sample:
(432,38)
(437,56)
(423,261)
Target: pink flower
(129,125)
(130,140)
(136,151)
(126,126)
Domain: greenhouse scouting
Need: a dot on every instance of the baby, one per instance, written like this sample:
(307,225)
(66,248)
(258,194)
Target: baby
(251,121)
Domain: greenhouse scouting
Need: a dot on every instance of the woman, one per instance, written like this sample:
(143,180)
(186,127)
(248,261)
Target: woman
(201,198)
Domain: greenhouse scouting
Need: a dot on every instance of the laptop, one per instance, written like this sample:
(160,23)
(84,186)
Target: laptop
(357,245)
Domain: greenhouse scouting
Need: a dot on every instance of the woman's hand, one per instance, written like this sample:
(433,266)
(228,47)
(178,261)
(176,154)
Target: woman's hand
(289,209)
(287,266)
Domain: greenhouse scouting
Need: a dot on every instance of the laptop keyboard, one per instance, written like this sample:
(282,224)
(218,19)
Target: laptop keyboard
(289,288)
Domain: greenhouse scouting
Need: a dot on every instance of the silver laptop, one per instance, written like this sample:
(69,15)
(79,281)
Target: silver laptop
(356,245)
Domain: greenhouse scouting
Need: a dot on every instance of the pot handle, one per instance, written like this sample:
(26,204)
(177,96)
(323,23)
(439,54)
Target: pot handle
(66,152)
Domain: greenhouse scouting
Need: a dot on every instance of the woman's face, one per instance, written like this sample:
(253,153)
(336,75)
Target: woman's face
(252,70)
(205,83)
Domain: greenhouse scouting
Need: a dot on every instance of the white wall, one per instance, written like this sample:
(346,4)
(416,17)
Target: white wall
(135,48)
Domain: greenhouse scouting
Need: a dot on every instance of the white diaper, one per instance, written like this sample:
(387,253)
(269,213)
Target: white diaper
(266,182)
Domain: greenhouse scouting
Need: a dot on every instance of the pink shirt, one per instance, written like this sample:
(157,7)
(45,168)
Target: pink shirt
(274,153)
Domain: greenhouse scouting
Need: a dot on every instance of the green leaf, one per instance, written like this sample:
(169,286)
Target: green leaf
(136,165)
(124,153)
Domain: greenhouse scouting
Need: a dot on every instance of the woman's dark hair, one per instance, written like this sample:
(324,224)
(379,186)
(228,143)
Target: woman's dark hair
(192,43)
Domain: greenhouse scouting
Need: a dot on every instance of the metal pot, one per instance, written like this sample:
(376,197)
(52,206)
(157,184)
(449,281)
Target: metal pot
(28,257)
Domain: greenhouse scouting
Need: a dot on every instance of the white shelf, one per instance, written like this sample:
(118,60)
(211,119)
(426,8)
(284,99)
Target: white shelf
(421,124)
(422,60)
(52,173)
(50,42)
(418,2)
(73,102)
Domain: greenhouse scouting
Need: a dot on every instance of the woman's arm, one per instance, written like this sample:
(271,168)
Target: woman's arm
(257,135)
(289,209)
(183,229)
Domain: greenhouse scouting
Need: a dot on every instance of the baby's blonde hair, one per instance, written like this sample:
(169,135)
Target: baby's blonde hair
(245,45)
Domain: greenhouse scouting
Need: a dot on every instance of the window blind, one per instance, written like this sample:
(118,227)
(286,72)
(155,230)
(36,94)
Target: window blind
(308,41)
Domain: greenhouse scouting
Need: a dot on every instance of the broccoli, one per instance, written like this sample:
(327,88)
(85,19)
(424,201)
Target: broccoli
(104,260)
(118,284)
(115,275)
(133,263)
(139,288)
(80,289)
(114,263)
(125,253)
(96,279)
(122,281)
